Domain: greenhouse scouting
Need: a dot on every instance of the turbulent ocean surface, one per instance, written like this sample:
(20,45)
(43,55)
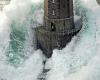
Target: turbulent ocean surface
(79,60)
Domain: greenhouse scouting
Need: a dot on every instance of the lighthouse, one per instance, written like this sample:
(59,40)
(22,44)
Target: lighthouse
(58,27)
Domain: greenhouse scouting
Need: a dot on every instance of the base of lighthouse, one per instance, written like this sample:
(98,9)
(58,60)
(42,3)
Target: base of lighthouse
(47,41)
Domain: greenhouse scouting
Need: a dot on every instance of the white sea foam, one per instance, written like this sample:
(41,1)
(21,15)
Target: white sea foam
(79,60)
(18,11)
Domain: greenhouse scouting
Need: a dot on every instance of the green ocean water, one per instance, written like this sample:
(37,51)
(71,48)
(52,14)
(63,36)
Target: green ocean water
(77,61)
(19,35)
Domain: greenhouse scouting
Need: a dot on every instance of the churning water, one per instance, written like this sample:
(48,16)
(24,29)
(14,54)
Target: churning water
(79,60)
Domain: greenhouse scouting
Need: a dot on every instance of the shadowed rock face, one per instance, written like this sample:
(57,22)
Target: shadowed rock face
(98,1)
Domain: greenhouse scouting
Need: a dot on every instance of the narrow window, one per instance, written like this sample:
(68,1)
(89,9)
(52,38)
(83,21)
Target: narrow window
(53,13)
(53,1)
(53,28)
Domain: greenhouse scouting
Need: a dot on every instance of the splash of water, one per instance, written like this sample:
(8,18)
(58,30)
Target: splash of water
(18,59)
(79,60)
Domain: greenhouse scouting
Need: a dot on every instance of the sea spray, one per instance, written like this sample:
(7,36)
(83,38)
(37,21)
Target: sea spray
(18,59)
(77,61)
(70,64)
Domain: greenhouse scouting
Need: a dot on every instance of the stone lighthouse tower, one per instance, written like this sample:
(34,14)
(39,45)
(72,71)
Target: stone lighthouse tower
(58,27)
